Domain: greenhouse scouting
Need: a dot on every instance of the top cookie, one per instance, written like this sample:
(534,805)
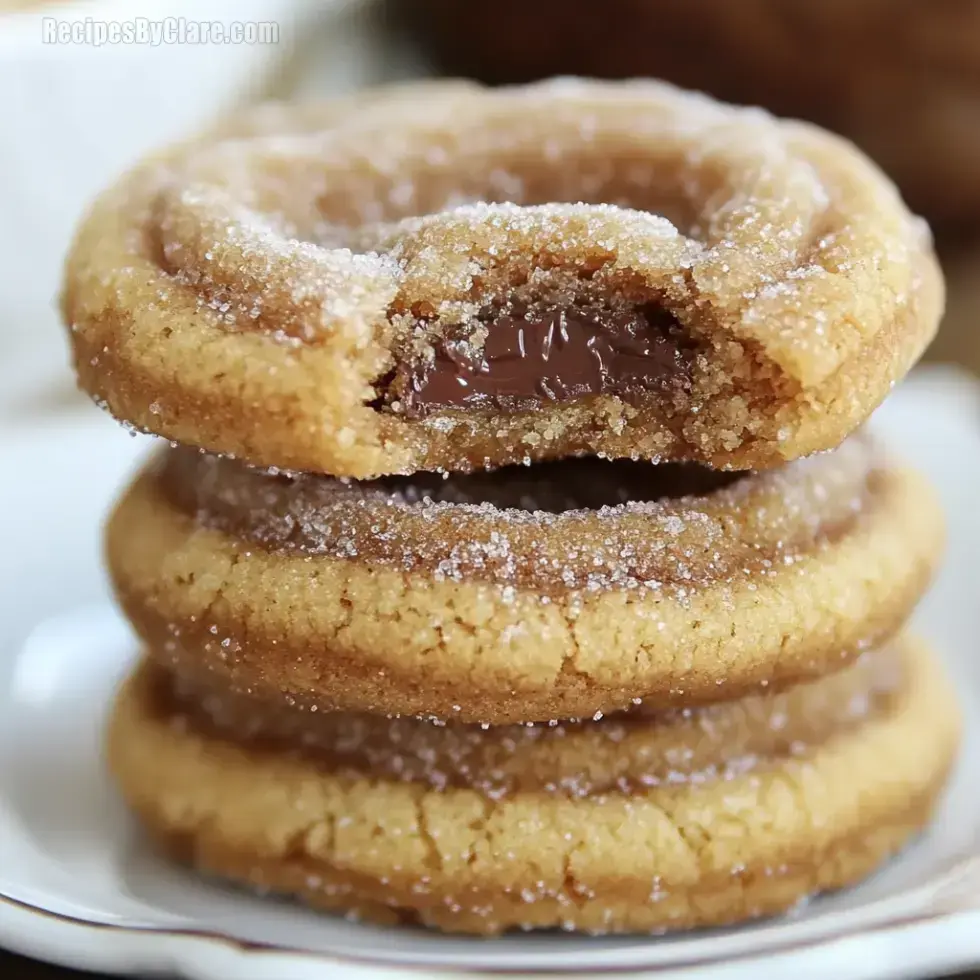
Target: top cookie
(449,277)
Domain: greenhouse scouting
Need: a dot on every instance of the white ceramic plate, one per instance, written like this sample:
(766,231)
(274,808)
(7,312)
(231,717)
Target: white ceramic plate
(79,886)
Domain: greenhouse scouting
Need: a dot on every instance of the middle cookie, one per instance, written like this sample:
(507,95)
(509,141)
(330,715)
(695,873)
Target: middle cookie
(552,591)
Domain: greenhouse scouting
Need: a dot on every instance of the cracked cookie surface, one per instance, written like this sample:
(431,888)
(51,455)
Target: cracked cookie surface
(629,824)
(551,591)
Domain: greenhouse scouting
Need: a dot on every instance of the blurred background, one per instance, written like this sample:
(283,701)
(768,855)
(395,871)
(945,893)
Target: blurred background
(900,77)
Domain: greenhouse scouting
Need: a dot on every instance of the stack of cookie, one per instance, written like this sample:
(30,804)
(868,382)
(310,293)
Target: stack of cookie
(485,583)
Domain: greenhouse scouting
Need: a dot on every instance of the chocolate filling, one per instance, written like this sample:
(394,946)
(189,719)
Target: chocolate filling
(517,359)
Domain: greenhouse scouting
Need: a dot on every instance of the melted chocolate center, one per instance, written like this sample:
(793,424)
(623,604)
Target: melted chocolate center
(534,356)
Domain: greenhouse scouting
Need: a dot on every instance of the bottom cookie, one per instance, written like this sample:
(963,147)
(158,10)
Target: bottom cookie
(632,823)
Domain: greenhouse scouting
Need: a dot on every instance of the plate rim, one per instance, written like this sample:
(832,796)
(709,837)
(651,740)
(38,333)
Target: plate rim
(185,940)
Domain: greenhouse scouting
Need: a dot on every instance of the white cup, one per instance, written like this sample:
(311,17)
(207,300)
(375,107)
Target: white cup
(75,115)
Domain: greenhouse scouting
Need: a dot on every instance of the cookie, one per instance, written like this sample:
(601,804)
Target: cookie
(469,277)
(632,824)
(524,594)
(897,77)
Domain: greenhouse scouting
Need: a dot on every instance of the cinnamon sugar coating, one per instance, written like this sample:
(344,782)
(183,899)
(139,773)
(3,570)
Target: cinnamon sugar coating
(726,847)
(409,596)
(623,752)
(260,292)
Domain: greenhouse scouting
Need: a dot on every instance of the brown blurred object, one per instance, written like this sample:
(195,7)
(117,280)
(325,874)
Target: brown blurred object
(958,341)
(900,77)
